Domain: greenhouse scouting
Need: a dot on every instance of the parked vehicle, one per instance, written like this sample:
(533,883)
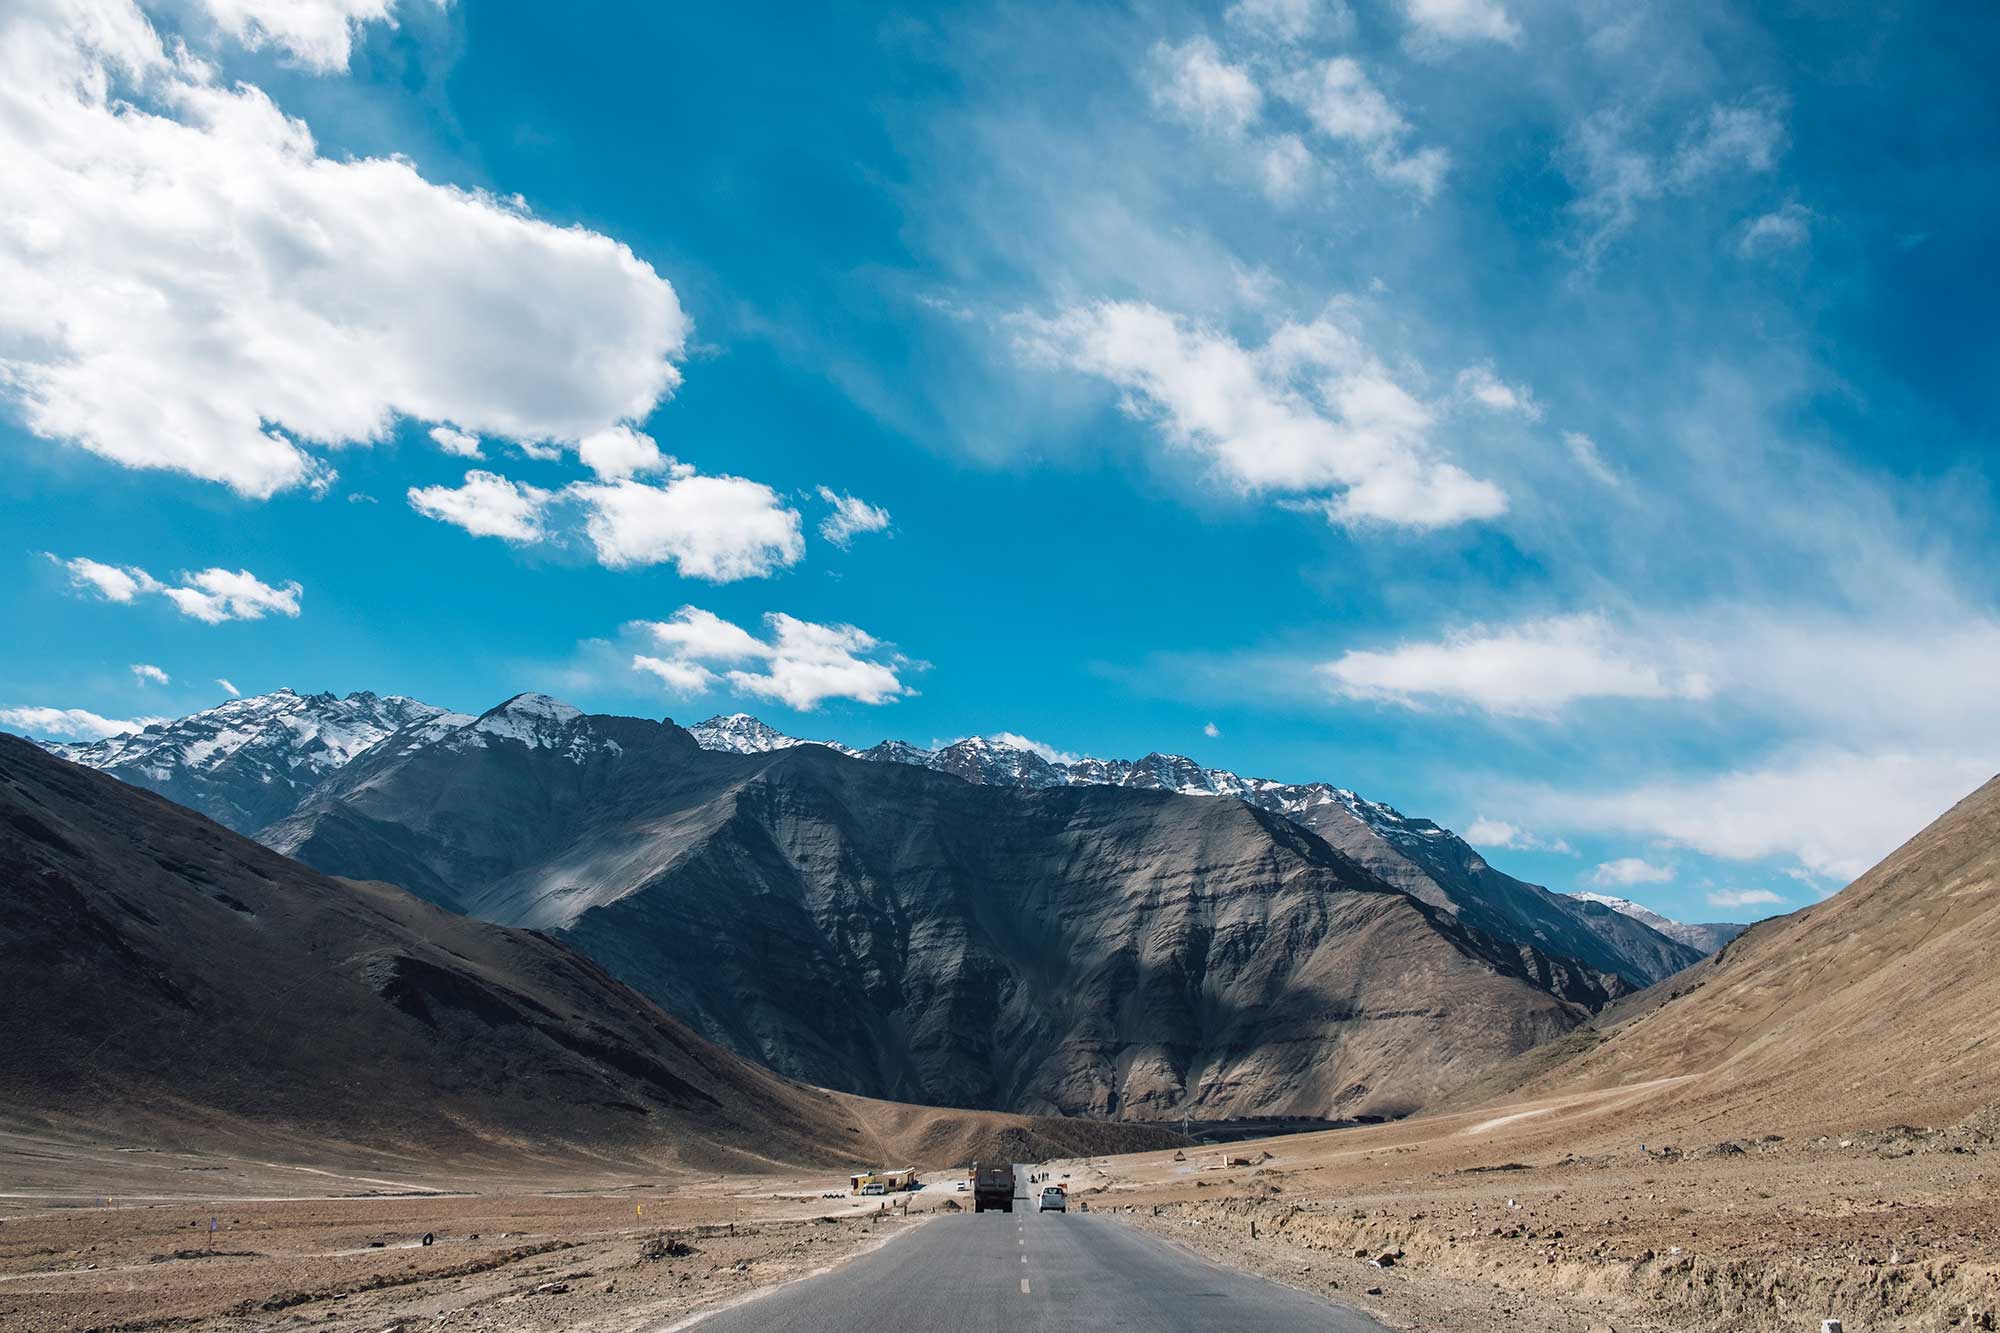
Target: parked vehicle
(1054,1200)
(874,1187)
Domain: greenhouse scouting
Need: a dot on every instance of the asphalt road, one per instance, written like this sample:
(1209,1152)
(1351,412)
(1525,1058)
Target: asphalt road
(1029,1270)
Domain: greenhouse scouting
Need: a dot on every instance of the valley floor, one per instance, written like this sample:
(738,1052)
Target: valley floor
(1544,1215)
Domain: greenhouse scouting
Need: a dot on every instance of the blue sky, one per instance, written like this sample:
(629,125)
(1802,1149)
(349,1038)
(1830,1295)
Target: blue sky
(1572,421)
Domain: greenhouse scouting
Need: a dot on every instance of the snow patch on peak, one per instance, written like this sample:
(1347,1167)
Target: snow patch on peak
(535,720)
(740,733)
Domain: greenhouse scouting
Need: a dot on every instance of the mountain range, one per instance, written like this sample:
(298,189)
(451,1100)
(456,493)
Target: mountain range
(975,924)
(165,980)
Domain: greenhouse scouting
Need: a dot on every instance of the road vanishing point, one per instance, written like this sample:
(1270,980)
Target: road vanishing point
(989,1272)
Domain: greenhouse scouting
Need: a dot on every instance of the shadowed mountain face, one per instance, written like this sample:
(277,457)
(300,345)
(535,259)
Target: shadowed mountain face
(160,975)
(890,930)
(1415,855)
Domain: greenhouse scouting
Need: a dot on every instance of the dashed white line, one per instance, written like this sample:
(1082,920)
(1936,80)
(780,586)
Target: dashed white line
(1024,1286)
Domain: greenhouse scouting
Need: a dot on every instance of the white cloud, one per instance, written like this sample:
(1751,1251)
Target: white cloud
(799,664)
(456,442)
(107,581)
(1210,730)
(1629,870)
(715,528)
(1616,178)
(1785,229)
(1748,137)
(1289,20)
(1462,21)
(318,34)
(1014,740)
(215,595)
(677,674)
(487,505)
(1836,812)
(187,284)
(696,634)
(228,689)
(1584,453)
(850,518)
(620,452)
(1533,669)
(70,723)
(147,674)
(1479,384)
(1195,84)
(1311,411)
(1283,166)
(209,595)
(1498,833)
(1731,898)
(1344,104)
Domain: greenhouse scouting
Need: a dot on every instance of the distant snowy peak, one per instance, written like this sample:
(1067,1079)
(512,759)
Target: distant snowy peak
(1705,936)
(740,733)
(248,761)
(305,733)
(1002,761)
(540,723)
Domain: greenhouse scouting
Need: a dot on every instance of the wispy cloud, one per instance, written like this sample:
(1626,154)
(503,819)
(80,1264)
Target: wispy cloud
(70,723)
(1627,871)
(208,595)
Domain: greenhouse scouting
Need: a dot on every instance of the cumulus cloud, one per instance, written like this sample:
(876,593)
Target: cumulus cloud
(107,581)
(1313,410)
(797,663)
(1533,669)
(1454,21)
(208,595)
(456,442)
(1627,871)
(1479,384)
(486,505)
(1344,104)
(215,595)
(1733,898)
(147,674)
(621,452)
(1193,83)
(318,34)
(228,688)
(850,518)
(716,528)
(186,283)
(71,723)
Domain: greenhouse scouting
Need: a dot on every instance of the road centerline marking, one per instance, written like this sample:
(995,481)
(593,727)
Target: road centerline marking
(1024,1286)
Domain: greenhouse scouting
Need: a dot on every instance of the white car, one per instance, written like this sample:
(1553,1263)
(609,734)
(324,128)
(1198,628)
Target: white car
(1054,1200)
(874,1187)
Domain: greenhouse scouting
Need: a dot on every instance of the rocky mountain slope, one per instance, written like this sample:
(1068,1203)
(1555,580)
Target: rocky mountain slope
(888,930)
(1416,855)
(1877,1006)
(164,979)
(1707,936)
(250,761)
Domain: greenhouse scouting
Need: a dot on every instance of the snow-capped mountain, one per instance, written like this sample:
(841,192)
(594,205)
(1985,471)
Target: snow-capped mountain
(1705,936)
(1414,854)
(249,761)
(740,733)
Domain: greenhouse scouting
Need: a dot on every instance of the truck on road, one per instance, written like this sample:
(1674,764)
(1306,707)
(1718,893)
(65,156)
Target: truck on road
(992,1187)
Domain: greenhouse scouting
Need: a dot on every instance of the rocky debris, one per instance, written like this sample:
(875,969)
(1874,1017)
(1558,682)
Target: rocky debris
(665,1247)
